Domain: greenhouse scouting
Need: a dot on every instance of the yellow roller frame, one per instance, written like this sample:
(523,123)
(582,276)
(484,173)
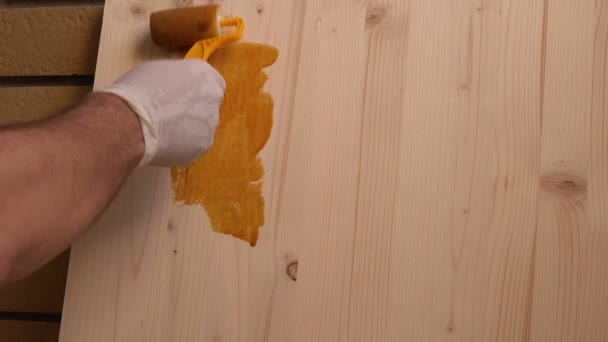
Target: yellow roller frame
(203,49)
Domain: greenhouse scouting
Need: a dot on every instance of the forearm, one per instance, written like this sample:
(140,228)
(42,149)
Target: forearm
(57,176)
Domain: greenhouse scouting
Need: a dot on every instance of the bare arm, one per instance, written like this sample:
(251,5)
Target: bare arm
(57,176)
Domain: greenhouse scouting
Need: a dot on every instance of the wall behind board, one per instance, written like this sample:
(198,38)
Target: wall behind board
(48,51)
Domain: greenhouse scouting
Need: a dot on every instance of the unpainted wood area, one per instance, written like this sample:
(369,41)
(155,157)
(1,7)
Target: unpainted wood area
(437,170)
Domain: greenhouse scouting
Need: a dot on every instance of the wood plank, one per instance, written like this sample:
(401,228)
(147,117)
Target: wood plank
(18,331)
(407,176)
(569,297)
(464,211)
(53,40)
(23,104)
(192,230)
(42,291)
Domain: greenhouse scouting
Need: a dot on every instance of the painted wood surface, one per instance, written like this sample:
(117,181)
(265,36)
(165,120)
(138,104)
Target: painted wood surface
(437,170)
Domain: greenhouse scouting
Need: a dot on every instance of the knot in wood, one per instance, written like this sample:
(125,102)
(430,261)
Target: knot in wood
(564,185)
(170,225)
(375,15)
(451,327)
(137,9)
(292,270)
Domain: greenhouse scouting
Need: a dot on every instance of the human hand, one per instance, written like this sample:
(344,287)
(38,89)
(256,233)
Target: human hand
(178,106)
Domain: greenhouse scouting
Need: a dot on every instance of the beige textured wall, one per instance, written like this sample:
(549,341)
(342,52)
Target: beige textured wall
(49,40)
(22,104)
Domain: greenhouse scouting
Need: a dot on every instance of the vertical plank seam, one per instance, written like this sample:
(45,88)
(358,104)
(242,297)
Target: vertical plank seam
(352,263)
(283,172)
(397,164)
(530,298)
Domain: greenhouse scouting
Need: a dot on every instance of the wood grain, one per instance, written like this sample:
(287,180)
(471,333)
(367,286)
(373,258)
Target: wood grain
(437,171)
(56,40)
(567,301)
(42,291)
(30,103)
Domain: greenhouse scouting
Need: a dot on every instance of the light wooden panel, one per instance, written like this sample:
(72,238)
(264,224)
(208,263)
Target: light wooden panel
(57,40)
(437,171)
(42,291)
(17,331)
(183,233)
(568,295)
(22,104)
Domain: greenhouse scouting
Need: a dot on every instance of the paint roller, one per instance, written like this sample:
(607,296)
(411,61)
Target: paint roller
(202,28)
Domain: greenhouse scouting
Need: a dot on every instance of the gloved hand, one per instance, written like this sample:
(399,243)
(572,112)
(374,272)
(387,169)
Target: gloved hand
(178,106)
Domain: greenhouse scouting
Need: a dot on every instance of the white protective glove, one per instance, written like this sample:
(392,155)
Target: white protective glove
(178,106)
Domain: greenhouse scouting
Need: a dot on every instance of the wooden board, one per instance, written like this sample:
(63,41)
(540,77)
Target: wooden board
(42,291)
(17,331)
(29,103)
(57,40)
(437,170)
